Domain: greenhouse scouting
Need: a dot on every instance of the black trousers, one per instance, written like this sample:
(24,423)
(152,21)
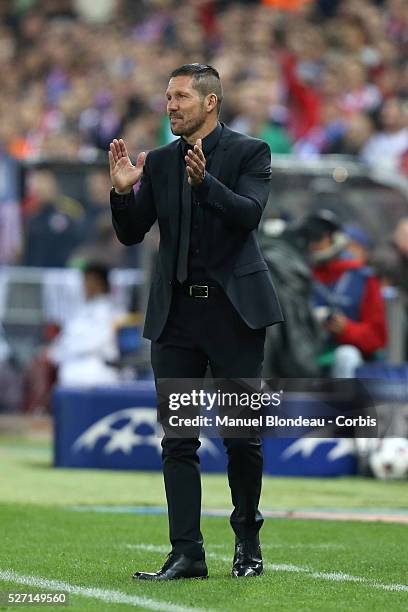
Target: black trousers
(202,332)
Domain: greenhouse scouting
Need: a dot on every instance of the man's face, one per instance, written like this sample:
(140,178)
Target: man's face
(321,244)
(92,285)
(391,114)
(185,108)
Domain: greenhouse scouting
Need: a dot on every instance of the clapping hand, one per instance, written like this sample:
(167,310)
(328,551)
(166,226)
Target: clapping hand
(123,173)
(195,164)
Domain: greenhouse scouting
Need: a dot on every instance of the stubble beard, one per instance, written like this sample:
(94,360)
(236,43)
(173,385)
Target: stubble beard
(190,128)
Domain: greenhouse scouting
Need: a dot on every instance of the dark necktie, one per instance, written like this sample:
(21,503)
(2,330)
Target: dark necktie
(184,242)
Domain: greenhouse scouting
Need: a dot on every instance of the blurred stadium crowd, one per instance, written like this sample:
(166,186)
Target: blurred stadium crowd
(329,77)
(310,77)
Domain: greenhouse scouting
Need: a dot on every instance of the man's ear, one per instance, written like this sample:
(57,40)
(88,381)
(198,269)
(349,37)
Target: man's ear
(211,101)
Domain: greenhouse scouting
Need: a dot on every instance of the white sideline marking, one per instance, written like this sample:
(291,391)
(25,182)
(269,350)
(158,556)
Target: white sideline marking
(95,593)
(323,546)
(288,567)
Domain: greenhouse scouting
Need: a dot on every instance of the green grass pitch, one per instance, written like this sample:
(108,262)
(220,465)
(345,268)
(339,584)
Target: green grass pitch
(53,538)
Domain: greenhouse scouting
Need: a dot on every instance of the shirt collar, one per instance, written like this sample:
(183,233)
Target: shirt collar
(209,142)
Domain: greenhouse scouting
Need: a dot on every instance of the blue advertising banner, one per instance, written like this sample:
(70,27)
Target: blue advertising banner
(117,428)
(309,456)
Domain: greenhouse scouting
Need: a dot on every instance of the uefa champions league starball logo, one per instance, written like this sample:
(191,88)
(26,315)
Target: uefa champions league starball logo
(341,447)
(127,429)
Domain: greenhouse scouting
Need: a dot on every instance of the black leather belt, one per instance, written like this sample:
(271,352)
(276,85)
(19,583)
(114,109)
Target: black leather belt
(197,291)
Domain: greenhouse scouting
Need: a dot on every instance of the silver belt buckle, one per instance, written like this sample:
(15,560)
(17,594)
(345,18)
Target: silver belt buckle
(191,291)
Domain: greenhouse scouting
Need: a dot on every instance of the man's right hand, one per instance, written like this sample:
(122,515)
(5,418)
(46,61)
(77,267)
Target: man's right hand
(123,173)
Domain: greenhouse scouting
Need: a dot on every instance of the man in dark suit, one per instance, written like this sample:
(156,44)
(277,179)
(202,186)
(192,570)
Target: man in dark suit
(211,295)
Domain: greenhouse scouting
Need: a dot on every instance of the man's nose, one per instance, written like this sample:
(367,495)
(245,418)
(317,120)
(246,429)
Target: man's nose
(172,106)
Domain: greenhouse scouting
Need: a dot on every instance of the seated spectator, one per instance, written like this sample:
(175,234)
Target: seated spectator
(84,352)
(347,297)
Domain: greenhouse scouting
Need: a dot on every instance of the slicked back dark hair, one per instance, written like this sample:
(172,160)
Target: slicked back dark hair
(206,80)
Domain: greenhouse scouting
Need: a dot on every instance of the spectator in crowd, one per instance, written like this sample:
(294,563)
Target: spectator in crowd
(359,94)
(359,243)
(257,103)
(96,201)
(388,145)
(390,260)
(291,350)
(326,137)
(55,226)
(347,297)
(99,239)
(83,352)
(356,131)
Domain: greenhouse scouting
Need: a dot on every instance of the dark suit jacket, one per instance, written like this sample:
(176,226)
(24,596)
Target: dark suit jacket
(238,192)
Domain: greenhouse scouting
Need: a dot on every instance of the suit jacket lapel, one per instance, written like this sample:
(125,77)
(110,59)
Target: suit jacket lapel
(217,169)
(219,157)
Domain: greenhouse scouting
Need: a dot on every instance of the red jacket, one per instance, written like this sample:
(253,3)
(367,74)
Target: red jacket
(304,100)
(369,333)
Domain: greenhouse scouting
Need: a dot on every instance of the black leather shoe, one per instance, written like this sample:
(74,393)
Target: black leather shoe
(177,566)
(247,559)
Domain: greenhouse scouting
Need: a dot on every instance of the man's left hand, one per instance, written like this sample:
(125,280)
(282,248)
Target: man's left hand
(195,164)
(336,323)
